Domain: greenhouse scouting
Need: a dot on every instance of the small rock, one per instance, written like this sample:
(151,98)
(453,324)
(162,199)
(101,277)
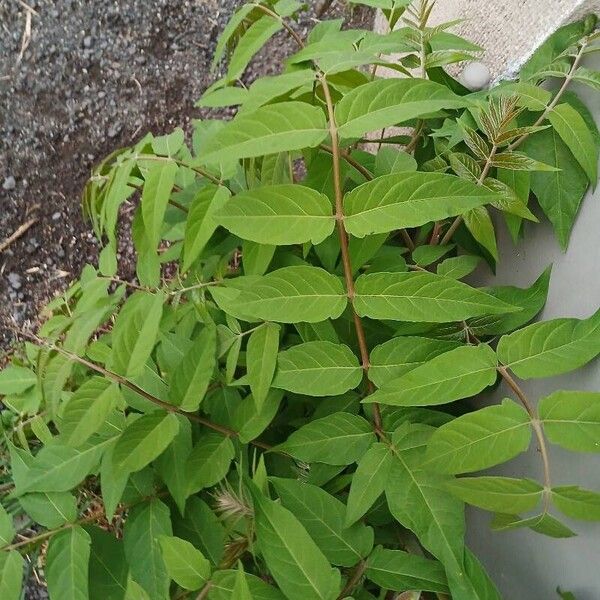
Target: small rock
(10,183)
(15,281)
(475,76)
(56,216)
(114,129)
(87,41)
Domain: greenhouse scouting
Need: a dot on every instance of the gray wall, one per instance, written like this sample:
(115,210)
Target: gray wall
(526,565)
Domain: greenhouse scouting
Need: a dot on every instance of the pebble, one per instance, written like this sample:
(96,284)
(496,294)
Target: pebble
(475,76)
(10,183)
(56,216)
(15,281)
(87,41)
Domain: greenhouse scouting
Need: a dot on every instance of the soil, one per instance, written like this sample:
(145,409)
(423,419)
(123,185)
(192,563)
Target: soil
(93,76)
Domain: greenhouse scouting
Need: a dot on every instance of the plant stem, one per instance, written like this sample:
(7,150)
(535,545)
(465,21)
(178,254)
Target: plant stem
(347,265)
(484,173)
(182,163)
(283,22)
(351,161)
(556,98)
(353,580)
(138,390)
(537,428)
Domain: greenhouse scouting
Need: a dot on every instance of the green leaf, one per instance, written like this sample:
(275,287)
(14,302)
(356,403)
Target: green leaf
(399,570)
(265,89)
(256,258)
(480,439)
(577,503)
(551,347)
(588,76)
(241,588)
(531,301)
(294,560)
(201,222)
(158,183)
(59,468)
(572,420)
(517,161)
(529,96)
(403,354)
(279,214)
(50,509)
(11,575)
(317,369)
(458,267)
(322,515)
(520,183)
(561,192)
(498,494)
(481,227)
(192,376)
(108,568)
(134,333)
(185,564)
(87,409)
(250,421)
(144,524)
(386,102)
(279,127)
(144,440)
(7,530)
(254,38)
(418,501)
(261,360)
(288,295)
(202,528)
(209,461)
(408,199)
(391,160)
(67,564)
(427,255)
(170,465)
(112,483)
(337,439)
(368,482)
(574,132)
(223,584)
(16,380)
(459,373)
(421,297)
(170,144)
(543,523)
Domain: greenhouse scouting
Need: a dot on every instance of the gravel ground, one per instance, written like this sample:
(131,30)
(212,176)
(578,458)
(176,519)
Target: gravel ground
(95,75)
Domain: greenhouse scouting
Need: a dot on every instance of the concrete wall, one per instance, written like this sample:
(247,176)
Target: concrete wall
(510,30)
(526,565)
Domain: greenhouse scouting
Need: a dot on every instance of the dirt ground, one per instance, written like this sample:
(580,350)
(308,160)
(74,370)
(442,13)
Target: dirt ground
(79,78)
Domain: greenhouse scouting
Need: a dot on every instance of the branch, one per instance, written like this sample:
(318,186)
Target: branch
(353,580)
(556,99)
(339,215)
(484,173)
(138,390)
(535,423)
